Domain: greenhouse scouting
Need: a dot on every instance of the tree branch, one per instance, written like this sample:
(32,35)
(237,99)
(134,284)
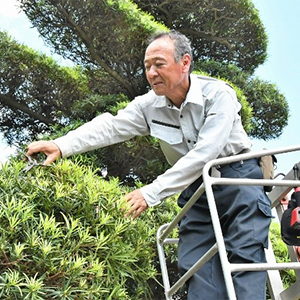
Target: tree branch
(95,56)
(13,104)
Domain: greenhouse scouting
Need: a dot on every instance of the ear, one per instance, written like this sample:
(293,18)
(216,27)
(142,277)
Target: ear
(186,63)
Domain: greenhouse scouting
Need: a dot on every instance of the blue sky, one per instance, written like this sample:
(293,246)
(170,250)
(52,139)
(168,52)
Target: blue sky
(282,23)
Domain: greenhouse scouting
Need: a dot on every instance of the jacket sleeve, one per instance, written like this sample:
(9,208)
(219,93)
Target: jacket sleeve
(104,130)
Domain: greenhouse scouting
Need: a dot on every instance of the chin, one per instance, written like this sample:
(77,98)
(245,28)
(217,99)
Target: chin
(158,92)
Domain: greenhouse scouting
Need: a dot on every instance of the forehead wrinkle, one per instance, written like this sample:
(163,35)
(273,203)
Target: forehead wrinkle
(157,57)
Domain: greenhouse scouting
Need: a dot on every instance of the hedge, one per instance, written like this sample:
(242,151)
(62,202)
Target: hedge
(64,236)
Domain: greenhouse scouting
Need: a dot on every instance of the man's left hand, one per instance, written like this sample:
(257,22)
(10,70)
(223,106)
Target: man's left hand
(137,203)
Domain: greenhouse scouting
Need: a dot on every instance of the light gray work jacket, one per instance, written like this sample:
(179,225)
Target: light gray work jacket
(206,126)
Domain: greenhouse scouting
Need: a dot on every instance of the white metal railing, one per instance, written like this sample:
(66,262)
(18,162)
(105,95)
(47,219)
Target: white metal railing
(227,267)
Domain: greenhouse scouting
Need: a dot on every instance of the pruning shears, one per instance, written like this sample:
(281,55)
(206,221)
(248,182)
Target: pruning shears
(32,162)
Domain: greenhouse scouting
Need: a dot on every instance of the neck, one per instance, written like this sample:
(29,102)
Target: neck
(179,96)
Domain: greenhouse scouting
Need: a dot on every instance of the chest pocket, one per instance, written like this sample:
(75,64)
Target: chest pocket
(168,133)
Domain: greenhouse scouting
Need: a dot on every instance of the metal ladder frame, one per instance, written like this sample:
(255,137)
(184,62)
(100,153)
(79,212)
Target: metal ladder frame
(282,187)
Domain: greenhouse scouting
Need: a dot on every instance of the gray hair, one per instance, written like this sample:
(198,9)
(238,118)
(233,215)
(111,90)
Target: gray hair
(181,43)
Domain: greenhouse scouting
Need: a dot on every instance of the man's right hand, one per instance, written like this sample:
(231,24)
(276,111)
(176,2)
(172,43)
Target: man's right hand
(47,147)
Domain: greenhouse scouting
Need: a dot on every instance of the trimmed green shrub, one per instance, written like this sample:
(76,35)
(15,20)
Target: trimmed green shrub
(64,236)
(288,277)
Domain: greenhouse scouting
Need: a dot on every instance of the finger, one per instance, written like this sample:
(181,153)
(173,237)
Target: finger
(31,149)
(136,209)
(131,209)
(133,213)
(138,212)
(36,147)
(50,159)
(51,156)
(127,197)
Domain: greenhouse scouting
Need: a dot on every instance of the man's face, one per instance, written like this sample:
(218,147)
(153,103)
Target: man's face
(165,76)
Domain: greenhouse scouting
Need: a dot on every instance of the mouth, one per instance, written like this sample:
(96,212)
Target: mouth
(155,84)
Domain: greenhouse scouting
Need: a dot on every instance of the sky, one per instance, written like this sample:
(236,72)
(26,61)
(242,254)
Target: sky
(282,67)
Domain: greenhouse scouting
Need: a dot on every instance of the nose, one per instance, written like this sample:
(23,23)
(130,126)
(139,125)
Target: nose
(152,72)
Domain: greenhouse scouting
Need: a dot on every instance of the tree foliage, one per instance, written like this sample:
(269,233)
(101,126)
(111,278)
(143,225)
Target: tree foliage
(110,35)
(223,30)
(35,92)
(270,110)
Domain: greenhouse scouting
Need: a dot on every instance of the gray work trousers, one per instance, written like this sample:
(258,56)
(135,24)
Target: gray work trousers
(245,214)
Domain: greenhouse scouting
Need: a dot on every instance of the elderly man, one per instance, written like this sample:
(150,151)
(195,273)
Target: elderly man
(196,119)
